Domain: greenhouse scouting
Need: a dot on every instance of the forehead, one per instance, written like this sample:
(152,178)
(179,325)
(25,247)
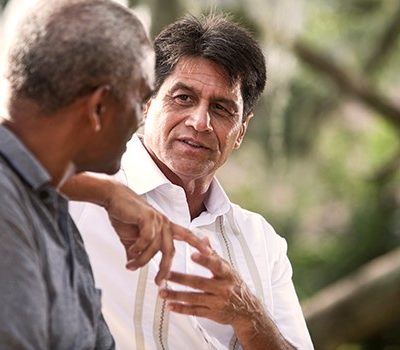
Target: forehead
(205,75)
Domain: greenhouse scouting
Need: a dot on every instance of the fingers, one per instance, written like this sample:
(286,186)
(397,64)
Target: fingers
(139,259)
(149,244)
(188,303)
(195,298)
(150,225)
(217,265)
(125,231)
(148,233)
(168,251)
(127,243)
(194,310)
(197,282)
(150,228)
(182,234)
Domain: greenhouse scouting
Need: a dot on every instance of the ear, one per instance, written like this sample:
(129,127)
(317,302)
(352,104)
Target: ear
(96,106)
(242,132)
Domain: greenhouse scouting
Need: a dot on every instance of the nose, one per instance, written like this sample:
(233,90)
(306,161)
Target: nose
(200,119)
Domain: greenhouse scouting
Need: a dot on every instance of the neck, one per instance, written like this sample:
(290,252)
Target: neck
(196,190)
(45,139)
(196,193)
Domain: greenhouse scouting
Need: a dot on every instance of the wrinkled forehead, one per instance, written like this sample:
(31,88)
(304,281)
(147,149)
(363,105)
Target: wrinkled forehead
(193,68)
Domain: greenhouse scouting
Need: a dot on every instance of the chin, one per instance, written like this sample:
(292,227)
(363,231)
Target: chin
(112,169)
(193,168)
(189,175)
(105,168)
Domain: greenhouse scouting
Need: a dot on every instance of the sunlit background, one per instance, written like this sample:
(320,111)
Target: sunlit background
(321,159)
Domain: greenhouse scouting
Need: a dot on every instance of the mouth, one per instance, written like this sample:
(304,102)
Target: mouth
(193,144)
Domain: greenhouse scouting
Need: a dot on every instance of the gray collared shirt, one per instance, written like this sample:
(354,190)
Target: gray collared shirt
(47,295)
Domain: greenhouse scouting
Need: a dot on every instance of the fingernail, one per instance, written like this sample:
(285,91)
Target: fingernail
(131,266)
(163,293)
(163,284)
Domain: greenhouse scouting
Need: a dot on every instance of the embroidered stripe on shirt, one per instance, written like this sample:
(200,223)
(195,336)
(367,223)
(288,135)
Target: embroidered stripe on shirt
(160,325)
(251,264)
(138,310)
(229,255)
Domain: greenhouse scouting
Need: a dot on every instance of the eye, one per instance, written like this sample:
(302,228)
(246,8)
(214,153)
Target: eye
(222,110)
(183,99)
(220,107)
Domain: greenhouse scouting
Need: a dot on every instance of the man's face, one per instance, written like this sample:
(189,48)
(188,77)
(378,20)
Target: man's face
(120,119)
(195,120)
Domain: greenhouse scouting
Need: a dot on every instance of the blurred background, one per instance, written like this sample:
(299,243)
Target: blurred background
(322,156)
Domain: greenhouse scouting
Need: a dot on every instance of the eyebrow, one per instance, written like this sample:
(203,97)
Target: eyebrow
(221,99)
(180,85)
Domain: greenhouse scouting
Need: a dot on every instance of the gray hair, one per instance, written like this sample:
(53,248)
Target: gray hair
(67,48)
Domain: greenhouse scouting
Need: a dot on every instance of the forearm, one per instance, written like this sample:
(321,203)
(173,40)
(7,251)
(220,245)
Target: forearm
(253,326)
(87,187)
(259,332)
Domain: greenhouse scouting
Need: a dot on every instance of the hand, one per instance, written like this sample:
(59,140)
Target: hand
(144,231)
(224,298)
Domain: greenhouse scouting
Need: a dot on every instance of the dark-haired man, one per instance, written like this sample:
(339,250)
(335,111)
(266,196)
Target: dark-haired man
(209,75)
(79,73)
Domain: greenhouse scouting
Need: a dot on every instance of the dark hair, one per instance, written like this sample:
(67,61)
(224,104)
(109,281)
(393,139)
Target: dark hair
(220,40)
(67,48)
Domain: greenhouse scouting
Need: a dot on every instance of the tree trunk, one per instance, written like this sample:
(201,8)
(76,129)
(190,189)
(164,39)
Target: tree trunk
(349,83)
(357,306)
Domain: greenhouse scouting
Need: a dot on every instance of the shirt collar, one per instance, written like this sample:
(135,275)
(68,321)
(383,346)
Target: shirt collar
(217,202)
(143,176)
(21,160)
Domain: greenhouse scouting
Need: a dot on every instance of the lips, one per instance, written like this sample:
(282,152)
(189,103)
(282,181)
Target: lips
(193,143)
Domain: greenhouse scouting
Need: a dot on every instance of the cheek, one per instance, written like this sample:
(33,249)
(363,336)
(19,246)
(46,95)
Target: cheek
(152,118)
(227,137)
(160,123)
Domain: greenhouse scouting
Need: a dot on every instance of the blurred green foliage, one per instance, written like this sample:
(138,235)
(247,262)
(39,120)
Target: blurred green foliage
(3,3)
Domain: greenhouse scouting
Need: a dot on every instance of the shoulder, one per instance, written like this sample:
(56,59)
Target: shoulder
(6,176)
(11,188)
(256,226)
(15,207)
(246,217)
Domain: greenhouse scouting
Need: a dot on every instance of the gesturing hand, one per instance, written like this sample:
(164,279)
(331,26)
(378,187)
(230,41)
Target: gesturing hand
(226,299)
(144,231)
(223,298)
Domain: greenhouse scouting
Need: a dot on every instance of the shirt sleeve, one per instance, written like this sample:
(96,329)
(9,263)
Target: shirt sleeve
(23,294)
(287,311)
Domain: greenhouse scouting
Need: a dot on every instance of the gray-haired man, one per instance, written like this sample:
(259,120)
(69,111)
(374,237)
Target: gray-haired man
(79,72)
